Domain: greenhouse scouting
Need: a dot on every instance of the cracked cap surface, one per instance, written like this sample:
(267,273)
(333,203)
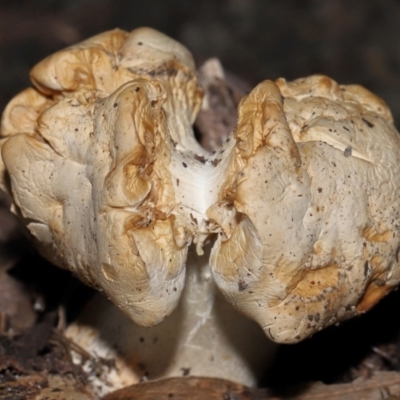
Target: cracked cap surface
(106,174)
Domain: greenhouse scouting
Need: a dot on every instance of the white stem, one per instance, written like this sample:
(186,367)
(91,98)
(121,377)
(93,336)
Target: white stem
(204,336)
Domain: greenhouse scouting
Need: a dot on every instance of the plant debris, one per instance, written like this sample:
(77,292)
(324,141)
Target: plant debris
(29,360)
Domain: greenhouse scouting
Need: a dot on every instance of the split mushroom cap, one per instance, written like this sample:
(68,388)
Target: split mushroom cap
(110,181)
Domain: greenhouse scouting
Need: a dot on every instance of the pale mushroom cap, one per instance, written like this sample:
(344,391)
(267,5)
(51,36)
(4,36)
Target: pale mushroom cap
(314,238)
(88,168)
(108,177)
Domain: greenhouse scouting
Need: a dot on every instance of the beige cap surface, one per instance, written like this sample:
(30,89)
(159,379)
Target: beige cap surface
(108,177)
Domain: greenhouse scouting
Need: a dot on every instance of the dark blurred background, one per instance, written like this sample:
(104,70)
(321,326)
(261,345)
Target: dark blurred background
(349,40)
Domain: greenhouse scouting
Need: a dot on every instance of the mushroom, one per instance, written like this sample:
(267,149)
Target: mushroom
(104,170)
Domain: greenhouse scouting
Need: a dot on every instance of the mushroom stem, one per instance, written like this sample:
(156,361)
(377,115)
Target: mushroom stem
(204,336)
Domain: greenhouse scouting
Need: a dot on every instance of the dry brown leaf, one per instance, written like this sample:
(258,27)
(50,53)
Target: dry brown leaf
(188,388)
(381,385)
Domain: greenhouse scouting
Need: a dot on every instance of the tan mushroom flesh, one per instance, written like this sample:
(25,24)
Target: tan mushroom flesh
(104,170)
